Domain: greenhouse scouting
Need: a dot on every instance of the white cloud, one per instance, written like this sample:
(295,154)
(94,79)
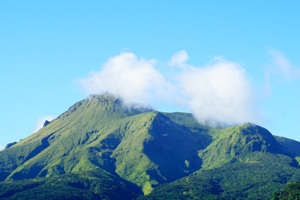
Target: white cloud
(135,80)
(178,59)
(219,92)
(1,147)
(282,66)
(41,120)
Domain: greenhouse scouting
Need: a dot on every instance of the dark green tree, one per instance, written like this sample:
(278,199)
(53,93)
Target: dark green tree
(289,192)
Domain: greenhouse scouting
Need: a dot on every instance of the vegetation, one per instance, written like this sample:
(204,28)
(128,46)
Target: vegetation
(289,192)
(289,145)
(232,143)
(140,145)
(94,184)
(100,146)
(256,178)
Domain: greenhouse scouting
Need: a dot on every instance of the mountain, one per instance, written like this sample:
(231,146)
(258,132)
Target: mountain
(138,145)
(289,145)
(231,144)
(242,162)
(104,148)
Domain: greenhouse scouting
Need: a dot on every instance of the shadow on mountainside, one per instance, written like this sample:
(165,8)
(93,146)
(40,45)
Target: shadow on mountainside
(174,148)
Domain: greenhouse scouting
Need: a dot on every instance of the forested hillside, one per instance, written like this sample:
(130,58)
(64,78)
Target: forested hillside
(102,149)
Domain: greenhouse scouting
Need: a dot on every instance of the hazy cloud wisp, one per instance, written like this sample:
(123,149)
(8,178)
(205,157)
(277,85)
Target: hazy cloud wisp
(282,66)
(178,59)
(280,69)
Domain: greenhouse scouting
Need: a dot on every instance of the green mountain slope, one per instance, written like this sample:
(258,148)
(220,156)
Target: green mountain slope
(140,145)
(289,145)
(136,149)
(233,143)
(255,179)
(242,162)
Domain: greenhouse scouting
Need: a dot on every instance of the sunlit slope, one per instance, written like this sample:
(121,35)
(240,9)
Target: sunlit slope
(242,162)
(257,178)
(142,146)
(81,118)
(234,143)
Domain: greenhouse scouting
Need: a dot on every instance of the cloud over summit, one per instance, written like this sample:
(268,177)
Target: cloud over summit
(219,92)
(126,76)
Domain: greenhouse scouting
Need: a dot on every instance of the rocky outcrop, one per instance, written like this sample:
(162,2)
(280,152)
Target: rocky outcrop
(46,123)
(10,145)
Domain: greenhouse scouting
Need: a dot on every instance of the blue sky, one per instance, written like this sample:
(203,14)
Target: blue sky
(47,47)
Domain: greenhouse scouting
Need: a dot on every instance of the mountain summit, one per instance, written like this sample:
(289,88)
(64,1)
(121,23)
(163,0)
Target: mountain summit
(138,144)
(135,148)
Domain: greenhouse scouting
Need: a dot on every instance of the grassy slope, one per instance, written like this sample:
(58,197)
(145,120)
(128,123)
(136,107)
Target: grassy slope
(231,142)
(146,148)
(242,162)
(150,148)
(255,179)
(290,145)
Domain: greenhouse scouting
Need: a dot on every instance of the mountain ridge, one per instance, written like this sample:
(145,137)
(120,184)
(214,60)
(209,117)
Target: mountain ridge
(148,148)
(55,146)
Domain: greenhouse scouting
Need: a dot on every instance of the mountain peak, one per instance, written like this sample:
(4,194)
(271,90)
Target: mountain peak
(232,143)
(107,106)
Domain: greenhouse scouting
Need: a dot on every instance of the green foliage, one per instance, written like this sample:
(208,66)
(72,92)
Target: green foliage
(186,119)
(289,192)
(140,145)
(10,145)
(231,142)
(95,184)
(289,145)
(258,178)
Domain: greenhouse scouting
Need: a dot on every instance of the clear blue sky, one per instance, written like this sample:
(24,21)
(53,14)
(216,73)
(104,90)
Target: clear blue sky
(46,46)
